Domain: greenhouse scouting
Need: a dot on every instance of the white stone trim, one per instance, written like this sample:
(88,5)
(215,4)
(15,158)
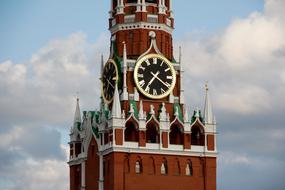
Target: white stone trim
(141,25)
(197,151)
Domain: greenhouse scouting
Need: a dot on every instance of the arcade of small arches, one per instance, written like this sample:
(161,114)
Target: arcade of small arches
(152,133)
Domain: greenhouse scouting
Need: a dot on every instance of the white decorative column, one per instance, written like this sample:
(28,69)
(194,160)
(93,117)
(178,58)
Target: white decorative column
(124,95)
(101,174)
(120,7)
(111,9)
(143,6)
(139,6)
(170,9)
(83,176)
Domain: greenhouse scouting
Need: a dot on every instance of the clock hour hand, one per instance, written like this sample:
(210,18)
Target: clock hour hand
(151,81)
(156,76)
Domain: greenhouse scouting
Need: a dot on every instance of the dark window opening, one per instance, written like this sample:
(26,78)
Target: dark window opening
(151,1)
(176,135)
(152,134)
(131,132)
(131,1)
(197,136)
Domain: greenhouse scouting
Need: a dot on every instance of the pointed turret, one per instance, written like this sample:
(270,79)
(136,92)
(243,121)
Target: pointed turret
(208,112)
(77,115)
(182,101)
(116,109)
(141,112)
(186,116)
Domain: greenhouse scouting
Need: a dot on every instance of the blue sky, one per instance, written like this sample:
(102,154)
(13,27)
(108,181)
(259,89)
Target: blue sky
(49,50)
(28,25)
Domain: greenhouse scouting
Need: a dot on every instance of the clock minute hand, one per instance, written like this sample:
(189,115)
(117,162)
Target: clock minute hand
(156,76)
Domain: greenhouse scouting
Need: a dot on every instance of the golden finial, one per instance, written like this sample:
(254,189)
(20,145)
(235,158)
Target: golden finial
(207,86)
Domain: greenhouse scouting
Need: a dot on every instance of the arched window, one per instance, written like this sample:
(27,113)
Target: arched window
(138,167)
(197,136)
(189,168)
(164,168)
(131,132)
(176,135)
(152,133)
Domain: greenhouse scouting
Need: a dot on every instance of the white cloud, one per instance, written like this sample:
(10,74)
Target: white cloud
(244,63)
(43,88)
(36,98)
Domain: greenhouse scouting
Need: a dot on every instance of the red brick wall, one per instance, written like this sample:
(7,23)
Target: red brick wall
(138,41)
(119,178)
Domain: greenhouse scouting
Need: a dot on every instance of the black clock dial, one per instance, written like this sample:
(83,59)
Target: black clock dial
(154,76)
(109,80)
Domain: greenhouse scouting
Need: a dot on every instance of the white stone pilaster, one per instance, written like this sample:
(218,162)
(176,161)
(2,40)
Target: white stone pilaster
(101,174)
(83,185)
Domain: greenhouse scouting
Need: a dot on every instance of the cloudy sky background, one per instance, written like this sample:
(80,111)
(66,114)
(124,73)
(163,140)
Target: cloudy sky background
(51,50)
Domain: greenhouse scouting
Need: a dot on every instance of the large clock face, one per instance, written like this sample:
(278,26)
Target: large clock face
(109,80)
(154,76)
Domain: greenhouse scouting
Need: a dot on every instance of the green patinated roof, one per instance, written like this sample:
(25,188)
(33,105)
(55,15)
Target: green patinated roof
(95,131)
(134,104)
(180,115)
(195,115)
(97,117)
(78,125)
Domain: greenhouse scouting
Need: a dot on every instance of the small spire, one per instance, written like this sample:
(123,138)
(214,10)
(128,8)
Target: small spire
(132,110)
(186,116)
(116,109)
(180,54)
(123,114)
(77,115)
(197,113)
(176,113)
(208,112)
(163,114)
(151,110)
(141,112)
(182,98)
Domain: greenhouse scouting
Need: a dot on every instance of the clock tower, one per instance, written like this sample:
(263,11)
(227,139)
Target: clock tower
(142,137)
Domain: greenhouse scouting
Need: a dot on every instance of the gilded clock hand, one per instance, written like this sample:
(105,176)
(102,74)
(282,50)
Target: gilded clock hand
(156,76)
(151,81)
(110,84)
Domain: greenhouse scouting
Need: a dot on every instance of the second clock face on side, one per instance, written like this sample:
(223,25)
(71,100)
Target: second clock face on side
(109,80)
(154,76)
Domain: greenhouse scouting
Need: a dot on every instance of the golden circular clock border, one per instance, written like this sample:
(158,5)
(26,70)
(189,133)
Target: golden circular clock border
(140,61)
(117,76)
